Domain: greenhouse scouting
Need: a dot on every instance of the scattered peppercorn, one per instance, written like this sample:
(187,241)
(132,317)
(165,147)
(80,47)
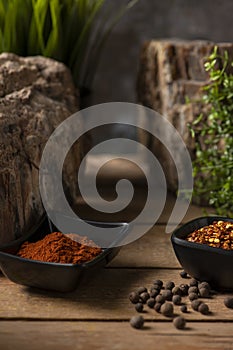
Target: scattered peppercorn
(203,309)
(195,304)
(134,298)
(177,291)
(169,285)
(144,297)
(167,293)
(176,299)
(160,299)
(137,322)
(151,302)
(204,292)
(193,290)
(139,307)
(154,293)
(157,307)
(167,309)
(179,322)
(183,274)
(193,296)
(204,285)
(228,302)
(193,282)
(183,308)
(159,283)
(141,290)
(184,289)
(154,287)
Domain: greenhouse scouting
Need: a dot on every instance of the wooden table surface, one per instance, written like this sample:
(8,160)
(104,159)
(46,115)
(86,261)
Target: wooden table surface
(96,315)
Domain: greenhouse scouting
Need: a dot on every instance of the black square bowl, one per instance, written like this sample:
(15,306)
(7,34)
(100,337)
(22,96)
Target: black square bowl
(53,276)
(201,261)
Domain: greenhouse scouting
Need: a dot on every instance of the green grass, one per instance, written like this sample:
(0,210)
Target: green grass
(71,31)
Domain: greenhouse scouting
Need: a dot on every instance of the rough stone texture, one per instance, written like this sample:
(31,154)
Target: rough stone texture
(184,19)
(169,72)
(36,95)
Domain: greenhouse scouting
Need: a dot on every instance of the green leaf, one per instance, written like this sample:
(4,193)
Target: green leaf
(53,40)
(213,166)
(63,29)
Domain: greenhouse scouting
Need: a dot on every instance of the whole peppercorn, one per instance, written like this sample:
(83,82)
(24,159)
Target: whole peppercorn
(183,308)
(134,298)
(154,293)
(160,299)
(139,307)
(228,302)
(195,304)
(176,291)
(159,283)
(157,307)
(151,302)
(154,287)
(144,297)
(204,285)
(167,309)
(184,289)
(137,322)
(157,287)
(183,274)
(176,299)
(193,290)
(203,309)
(204,292)
(169,285)
(193,282)
(193,296)
(141,290)
(167,293)
(179,322)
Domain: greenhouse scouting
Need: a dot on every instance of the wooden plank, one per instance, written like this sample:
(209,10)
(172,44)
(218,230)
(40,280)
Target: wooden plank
(21,335)
(152,250)
(135,207)
(103,297)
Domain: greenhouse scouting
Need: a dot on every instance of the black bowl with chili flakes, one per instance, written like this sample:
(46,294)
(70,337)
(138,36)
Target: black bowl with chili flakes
(204,252)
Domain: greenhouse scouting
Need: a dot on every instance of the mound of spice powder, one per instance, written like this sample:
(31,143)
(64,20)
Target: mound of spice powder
(59,248)
(219,235)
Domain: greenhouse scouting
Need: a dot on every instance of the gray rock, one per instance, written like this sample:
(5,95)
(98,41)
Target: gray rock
(36,95)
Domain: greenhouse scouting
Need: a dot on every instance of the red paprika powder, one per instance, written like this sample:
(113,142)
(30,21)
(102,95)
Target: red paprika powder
(59,248)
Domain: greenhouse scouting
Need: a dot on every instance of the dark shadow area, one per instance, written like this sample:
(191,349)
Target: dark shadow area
(98,291)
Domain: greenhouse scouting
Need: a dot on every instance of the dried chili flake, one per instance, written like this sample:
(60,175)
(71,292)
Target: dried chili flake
(219,235)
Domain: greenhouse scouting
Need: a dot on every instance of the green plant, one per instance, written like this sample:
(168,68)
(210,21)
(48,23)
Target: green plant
(71,31)
(213,134)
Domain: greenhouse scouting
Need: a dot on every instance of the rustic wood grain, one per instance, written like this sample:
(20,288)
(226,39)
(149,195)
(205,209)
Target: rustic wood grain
(96,315)
(154,249)
(114,335)
(134,208)
(103,297)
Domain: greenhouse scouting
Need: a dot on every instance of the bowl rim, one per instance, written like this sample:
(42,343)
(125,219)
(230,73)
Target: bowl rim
(198,246)
(125,226)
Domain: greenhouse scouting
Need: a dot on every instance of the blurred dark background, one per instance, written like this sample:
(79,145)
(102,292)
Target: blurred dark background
(154,19)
